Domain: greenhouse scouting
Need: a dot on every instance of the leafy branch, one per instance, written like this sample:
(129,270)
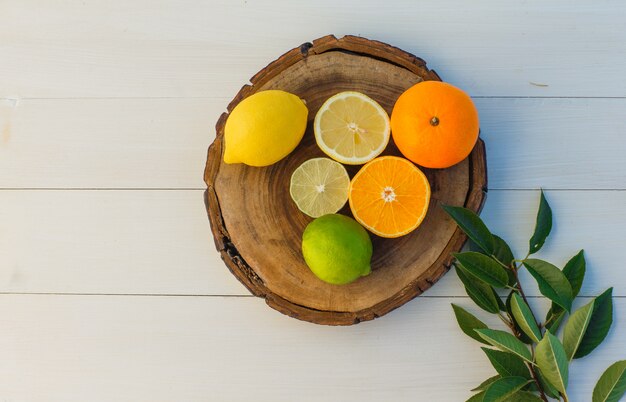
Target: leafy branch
(531,362)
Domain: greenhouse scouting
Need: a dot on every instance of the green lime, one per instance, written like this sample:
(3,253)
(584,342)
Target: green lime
(337,249)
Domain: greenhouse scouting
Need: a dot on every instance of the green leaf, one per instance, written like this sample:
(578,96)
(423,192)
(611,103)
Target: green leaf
(501,304)
(524,317)
(554,318)
(599,326)
(502,251)
(484,268)
(483,295)
(472,225)
(612,384)
(506,342)
(524,396)
(507,364)
(504,388)
(532,386)
(512,280)
(518,330)
(552,361)
(483,385)
(575,329)
(548,389)
(574,271)
(542,227)
(552,283)
(468,323)
(477,398)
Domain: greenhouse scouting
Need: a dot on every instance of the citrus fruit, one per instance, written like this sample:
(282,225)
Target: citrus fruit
(434,124)
(337,249)
(264,128)
(319,186)
(389,196)
(351,128)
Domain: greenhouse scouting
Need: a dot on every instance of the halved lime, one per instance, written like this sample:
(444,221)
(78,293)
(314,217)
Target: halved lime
(320,186)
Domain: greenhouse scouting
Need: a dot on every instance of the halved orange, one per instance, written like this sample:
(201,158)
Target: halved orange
(389,196)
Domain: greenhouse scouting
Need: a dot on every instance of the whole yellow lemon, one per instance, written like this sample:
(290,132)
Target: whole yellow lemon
(264,128)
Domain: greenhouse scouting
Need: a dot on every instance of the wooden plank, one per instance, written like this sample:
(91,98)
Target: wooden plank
(147,143)
(554,143)
(192,48)
(78,348)
(162,143)
(151,242)
(109,242)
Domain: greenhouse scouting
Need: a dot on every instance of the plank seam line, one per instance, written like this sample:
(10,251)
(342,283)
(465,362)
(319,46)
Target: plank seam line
(227,98)
(204,188)
(222,295)
(119,294)
(102,188)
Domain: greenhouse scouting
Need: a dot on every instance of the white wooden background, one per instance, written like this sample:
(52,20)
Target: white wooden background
(111,289)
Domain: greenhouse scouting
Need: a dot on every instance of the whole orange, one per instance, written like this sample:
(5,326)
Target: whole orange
(434,124)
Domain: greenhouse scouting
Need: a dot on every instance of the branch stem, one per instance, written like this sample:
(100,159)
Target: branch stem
(499,262)
(506,321)
(531,367)
(521,292)
(533,374)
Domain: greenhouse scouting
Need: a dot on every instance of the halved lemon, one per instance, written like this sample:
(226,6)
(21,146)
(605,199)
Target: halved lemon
(351,128)
(320,186)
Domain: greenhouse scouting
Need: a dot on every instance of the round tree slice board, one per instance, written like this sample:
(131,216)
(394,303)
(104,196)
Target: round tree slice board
(258,229)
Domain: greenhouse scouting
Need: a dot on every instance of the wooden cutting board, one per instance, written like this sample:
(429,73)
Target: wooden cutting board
(258,229)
